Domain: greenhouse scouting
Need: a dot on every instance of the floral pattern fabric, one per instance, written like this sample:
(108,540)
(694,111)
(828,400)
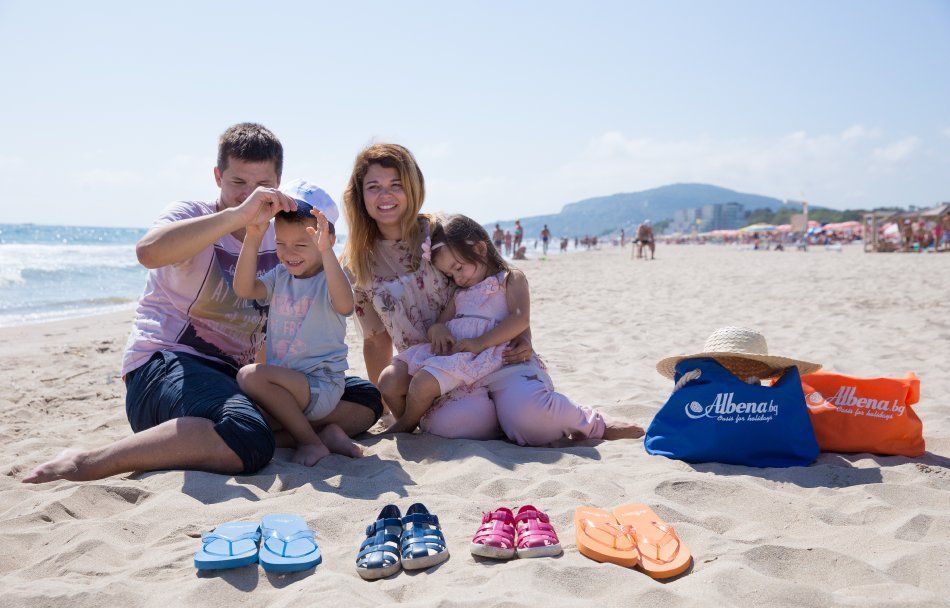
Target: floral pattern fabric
(400,301)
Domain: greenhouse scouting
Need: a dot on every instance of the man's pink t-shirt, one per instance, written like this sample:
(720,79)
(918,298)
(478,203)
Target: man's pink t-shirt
(191,307)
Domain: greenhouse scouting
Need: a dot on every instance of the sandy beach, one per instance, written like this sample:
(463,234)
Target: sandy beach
(850,530)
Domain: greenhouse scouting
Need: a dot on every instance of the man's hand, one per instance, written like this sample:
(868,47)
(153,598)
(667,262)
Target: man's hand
(441,338)
(321,234)
(470,345)
(261,206)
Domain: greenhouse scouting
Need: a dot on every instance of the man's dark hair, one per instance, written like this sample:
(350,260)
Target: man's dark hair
(250,142)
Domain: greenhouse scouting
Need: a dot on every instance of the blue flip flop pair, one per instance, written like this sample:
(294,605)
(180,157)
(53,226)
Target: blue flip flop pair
(289,545)
(393,542)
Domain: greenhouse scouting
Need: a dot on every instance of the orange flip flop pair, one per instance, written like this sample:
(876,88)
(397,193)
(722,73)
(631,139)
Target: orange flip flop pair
(631,535)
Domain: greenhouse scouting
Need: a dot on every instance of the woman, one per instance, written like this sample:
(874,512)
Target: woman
(399,294)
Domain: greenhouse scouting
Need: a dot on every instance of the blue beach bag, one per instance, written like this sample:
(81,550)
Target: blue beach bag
(716,417)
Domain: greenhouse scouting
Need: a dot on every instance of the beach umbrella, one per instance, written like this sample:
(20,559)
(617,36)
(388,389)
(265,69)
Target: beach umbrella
(758,228)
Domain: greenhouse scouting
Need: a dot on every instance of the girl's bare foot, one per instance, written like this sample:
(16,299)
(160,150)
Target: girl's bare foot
(66,465)
(622,430)
(336,439)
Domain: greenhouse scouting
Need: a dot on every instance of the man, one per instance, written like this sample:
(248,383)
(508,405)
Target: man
(545,237)
(645,237)
(498,237)
(192,333)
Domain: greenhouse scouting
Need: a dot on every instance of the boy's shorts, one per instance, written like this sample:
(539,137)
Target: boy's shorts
(325,393)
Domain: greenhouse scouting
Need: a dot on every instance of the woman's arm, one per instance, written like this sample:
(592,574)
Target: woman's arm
(377,354)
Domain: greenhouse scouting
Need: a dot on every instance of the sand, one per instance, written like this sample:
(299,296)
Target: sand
(851,530)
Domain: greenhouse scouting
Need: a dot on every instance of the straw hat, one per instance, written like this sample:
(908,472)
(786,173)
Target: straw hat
(743,352)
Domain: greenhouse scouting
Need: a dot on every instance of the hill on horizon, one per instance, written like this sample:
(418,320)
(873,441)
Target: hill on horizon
(604,214)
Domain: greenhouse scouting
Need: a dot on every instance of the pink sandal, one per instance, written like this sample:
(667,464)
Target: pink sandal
(496,536)
(536,536)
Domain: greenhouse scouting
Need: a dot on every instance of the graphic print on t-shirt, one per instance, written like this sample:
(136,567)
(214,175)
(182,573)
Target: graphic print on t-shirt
(219,322)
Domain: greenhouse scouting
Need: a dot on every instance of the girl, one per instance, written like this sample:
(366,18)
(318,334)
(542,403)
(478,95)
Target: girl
(490,307)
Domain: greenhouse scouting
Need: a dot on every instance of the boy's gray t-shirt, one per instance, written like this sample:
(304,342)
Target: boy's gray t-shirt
(304,333)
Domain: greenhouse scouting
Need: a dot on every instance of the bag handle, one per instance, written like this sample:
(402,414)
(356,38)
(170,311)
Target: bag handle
(694,374)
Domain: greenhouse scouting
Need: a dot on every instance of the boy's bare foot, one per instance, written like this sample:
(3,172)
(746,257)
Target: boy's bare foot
(336,439)
(66,465)
(309,454)
(622,430)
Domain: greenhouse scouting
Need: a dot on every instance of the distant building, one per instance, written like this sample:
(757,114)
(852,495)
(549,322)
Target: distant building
(719,216)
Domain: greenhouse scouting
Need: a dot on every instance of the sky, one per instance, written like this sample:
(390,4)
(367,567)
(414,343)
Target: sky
(111,110)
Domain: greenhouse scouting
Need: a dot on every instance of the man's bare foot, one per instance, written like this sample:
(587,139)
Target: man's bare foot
(338,442)
(309,454)
(66,465)
(622,430)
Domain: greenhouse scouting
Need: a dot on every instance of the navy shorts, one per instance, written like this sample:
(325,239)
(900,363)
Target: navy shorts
(173,385)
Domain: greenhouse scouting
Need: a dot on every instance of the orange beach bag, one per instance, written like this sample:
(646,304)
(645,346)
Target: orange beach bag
(851,414)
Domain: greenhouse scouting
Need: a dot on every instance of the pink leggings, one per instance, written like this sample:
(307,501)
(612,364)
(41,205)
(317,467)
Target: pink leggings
(523,405)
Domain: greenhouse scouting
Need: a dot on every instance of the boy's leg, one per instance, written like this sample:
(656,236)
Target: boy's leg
(285,394)
(423,391)
(394,386)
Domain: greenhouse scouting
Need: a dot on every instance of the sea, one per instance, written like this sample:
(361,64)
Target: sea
(50,273)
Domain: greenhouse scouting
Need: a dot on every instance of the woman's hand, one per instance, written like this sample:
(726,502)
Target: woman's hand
(441,338)
(518,350)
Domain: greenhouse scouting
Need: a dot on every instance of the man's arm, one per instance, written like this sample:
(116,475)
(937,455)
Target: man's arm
(179,241)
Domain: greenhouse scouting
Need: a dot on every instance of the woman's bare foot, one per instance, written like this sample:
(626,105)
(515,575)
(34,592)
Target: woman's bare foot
(309,454)
(622,430)
(336,439)
(66,465)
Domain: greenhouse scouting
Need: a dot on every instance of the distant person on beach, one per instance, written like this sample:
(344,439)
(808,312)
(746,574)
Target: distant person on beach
(498,237)
(623,238)
(645,239)
(508,238)
(564,243)
(545,238)
(309,299)
(519,234)
(521,253)
(192,333)
(400,293)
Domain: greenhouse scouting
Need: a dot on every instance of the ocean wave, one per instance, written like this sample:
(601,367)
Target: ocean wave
(19,262)
(22,317)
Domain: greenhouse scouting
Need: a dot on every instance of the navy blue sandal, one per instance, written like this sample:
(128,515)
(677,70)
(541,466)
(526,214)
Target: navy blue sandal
(379,553)
(422,544)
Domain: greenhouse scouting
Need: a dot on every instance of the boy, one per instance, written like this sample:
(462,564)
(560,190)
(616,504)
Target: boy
(309,298)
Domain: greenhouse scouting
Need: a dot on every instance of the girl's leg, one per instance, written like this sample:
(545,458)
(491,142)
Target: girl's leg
(394,386)
(467,413)
(424,389)
(285,394)
(531,412)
